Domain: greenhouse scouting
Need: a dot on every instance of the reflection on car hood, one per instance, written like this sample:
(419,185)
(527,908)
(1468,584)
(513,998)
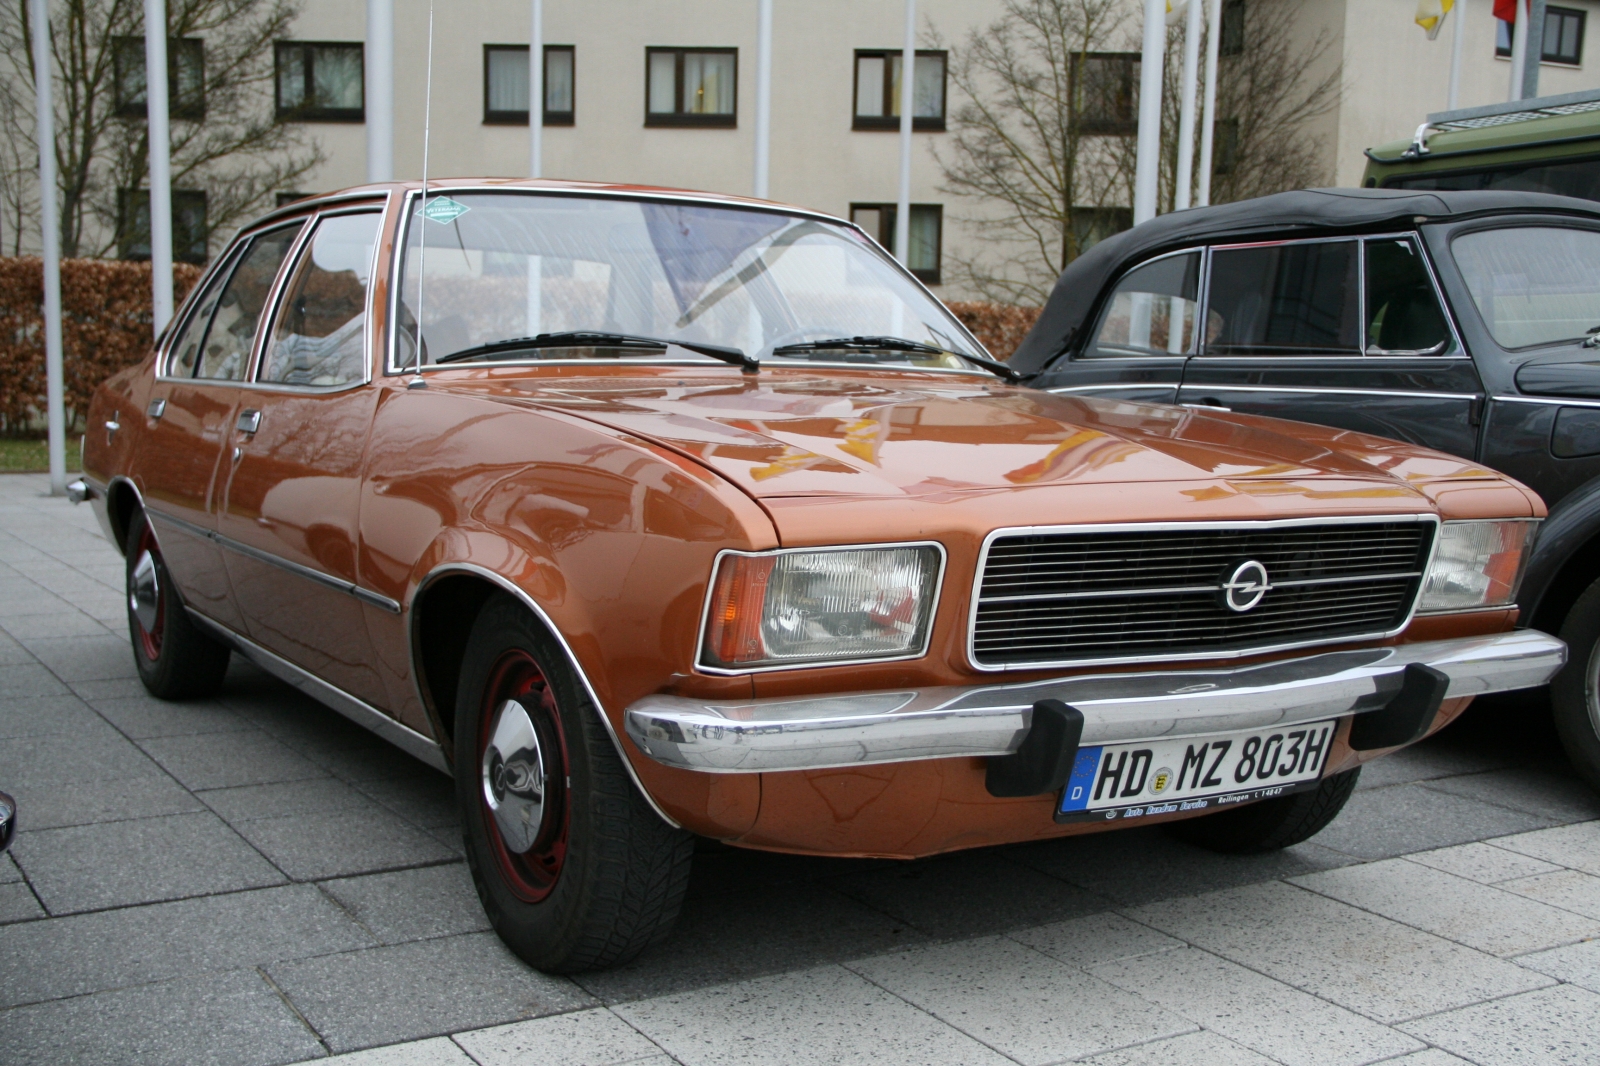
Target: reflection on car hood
(909,435)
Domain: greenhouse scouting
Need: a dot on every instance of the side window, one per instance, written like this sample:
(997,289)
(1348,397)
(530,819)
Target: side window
(1152,310)
(318,337)
(185,350)
(1284,299)
(226,350)
(1403,313)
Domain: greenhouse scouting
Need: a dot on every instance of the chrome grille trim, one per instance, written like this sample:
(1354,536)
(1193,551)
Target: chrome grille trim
(1355,604)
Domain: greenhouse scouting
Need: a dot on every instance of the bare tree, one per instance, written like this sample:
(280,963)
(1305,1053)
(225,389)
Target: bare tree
(1042,142)
(226,142)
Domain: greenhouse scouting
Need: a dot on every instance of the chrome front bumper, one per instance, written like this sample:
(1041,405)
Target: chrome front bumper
(860,728)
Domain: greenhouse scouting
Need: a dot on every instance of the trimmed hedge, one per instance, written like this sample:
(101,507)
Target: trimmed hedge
(105,326)
(1000,327)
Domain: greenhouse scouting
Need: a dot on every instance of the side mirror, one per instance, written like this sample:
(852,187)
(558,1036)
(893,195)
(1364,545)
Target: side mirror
(8,820)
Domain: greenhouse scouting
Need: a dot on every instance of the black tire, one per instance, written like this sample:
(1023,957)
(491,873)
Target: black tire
(1575,691)
(1269,825)
(603,877)
(176,661)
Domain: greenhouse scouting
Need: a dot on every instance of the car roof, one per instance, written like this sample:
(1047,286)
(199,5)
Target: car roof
(1303,213)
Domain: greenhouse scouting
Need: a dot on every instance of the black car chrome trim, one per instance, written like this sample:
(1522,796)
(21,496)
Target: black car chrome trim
(326,580)
(572,660)
(975,599)
(354,708)
(1221,387)
(1549,401)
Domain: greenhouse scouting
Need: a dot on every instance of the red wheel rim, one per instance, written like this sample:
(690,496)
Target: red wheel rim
(149,639)
(531,875)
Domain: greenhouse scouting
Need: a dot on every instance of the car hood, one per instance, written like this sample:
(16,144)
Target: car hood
(920,434)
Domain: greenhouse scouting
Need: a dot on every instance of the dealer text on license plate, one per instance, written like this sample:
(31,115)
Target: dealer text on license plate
(1115,781)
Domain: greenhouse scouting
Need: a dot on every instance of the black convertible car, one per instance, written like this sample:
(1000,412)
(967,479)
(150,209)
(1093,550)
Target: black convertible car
(1464,321)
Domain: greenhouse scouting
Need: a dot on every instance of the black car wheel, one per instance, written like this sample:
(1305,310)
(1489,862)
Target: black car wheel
(1269,825)
(575,870)
(1575,692)
(175,659)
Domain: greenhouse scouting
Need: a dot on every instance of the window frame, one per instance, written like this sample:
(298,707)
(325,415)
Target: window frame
(1127,128)
(307,112)
(678,117)
(891,123)
(1202,308)
(127,209)
(520,118)
(193,110)
(927,277)
(1504,51)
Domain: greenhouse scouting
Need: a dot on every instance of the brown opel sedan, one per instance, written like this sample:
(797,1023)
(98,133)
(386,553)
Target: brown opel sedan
(648,514)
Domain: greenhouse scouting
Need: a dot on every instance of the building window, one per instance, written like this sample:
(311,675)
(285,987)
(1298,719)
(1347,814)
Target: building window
(505,84)
(1226,140)
(188,224)
(1091,225)
(927,234)
(1230,41)
(878,90)
(1563,36)
(1102,85)
(691,86)
(186,77)
(320,81)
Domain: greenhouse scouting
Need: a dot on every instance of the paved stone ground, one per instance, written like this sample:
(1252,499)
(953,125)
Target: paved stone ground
(253,880)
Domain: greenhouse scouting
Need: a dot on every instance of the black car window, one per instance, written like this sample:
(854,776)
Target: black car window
(1284,299)
(1403,313)
(225,353)
(1533,284)
(1152,310)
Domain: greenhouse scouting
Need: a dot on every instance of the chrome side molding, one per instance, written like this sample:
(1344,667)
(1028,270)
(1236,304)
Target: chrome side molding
(861,728)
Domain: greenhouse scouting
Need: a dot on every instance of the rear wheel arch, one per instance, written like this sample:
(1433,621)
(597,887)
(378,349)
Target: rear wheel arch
(123,505)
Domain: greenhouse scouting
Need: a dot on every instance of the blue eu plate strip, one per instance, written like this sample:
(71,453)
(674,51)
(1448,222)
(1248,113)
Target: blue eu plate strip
(1075,797)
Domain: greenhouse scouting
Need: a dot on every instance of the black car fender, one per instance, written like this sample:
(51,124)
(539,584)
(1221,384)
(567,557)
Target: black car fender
(1565,559)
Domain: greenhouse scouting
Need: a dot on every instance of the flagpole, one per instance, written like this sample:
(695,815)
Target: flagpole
(908,70)
(536,92)
(39,12)
(1519,49)
(380,90)
(1186,117)
(1208,121)
(157,119)
(1147,163)
(1459,10)
(763,95)
(1533,49)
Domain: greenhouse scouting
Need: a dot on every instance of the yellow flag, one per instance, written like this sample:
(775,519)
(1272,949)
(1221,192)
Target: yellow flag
(1431,13)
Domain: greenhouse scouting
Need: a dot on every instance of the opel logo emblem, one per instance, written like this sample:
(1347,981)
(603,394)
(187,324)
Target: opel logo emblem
(1245,586)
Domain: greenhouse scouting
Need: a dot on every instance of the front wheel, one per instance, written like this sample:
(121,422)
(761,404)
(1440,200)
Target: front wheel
(574,869)
(1575,692)
(1269,825)
(174,658)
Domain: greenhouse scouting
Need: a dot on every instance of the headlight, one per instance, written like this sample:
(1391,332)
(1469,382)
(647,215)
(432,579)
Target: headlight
(836,605)
(1476,564)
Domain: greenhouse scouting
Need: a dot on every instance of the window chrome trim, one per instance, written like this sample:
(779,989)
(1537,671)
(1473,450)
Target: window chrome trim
(349,588)
(1213,387)
(1148,527)
(572,659)
(814,664)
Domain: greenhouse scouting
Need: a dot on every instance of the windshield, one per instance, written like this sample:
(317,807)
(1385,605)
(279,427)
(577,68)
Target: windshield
(517,265)
(1533,284)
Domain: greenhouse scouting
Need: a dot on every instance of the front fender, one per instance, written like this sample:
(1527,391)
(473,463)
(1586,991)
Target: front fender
(1560,569)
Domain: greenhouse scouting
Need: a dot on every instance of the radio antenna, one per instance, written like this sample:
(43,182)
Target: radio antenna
(422,254)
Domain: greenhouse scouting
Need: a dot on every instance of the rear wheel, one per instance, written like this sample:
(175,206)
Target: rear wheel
(174,658)
(1269,825)
(1575,692)
(574,869)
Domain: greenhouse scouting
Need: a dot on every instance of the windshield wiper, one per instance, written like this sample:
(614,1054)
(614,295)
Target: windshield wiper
(896,344)
(578,338)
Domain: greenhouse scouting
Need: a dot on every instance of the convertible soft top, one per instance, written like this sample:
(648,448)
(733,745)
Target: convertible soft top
(1286,213)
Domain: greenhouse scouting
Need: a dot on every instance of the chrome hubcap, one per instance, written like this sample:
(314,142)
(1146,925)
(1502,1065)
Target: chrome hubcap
(145,591)
(513,777)
(1591,688)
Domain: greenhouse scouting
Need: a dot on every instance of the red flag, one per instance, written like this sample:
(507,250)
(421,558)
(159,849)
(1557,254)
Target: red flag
(1506,10)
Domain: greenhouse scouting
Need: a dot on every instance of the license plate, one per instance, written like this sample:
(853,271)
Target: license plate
(1117,781)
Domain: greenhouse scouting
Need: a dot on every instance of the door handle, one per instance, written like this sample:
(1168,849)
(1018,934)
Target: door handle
(112,425)
(157,408)
(249,422)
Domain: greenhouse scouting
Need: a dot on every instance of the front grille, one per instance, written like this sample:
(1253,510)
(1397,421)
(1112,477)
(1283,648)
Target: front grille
(1055,597)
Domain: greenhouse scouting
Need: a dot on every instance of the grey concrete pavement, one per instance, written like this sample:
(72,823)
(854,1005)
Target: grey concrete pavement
(251,879)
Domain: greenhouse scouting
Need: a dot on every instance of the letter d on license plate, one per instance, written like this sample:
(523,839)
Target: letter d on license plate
(1117,781)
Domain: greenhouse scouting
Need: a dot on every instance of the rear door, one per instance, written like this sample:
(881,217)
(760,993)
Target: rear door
(1346,332)
(1144,333)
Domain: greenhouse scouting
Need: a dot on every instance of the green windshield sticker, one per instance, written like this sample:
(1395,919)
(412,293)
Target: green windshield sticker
(445,210)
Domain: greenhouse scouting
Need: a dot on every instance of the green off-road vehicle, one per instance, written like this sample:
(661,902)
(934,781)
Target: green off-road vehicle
(1546,144)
